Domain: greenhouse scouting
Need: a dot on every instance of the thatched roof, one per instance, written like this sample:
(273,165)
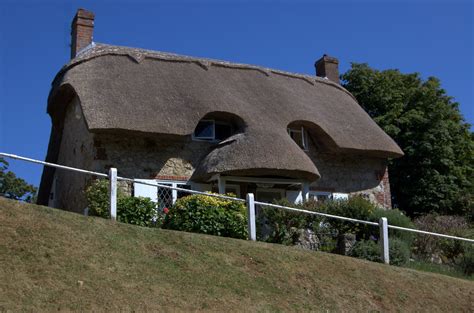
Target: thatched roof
(153,92)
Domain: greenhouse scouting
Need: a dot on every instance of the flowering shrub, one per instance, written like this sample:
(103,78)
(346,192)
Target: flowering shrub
(208,215)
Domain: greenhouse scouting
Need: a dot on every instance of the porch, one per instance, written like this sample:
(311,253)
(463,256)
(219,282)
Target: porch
(265,189)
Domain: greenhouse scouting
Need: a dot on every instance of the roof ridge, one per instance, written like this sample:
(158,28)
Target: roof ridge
(139,54)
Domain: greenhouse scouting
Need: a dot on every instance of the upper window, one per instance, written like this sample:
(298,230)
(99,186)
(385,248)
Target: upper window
(299,136)
(211,130)
(205,130)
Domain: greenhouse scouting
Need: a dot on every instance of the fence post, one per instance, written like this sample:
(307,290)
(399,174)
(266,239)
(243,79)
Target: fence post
(383,225)
(251,217)
(113,192)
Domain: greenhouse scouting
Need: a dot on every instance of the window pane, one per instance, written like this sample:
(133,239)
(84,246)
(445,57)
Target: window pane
(204,129)
(165,198)
(297,136)
(182,193)
(223,131)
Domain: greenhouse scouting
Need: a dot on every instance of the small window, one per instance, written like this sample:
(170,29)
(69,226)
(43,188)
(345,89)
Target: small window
(205,130)
(211,130)
(299,136)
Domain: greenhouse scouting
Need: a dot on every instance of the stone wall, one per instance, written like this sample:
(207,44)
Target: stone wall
(352,174)
(149,156)
(76,150)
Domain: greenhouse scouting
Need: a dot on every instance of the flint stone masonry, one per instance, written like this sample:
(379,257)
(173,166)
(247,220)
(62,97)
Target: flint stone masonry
(352,174)
(151,156)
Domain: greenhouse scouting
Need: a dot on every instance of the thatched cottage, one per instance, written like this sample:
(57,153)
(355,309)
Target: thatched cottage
(208,125)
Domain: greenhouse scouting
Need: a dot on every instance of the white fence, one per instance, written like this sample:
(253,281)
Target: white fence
(250,202)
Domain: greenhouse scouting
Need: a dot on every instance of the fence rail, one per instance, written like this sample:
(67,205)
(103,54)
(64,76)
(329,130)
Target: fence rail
(250,202)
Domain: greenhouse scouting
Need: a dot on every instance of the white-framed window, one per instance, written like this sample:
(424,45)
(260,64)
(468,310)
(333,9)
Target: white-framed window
(163,197)
(299,135)
(212,130)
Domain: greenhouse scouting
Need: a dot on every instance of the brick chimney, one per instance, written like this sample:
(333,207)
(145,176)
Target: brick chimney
(328,67)
(82,29)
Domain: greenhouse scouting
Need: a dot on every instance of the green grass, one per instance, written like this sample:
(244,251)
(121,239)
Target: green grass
(54,260)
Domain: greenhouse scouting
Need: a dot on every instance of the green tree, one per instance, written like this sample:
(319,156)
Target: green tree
(436,173)
(14,187)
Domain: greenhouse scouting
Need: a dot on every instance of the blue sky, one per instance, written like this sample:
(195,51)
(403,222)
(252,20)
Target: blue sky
(434,38)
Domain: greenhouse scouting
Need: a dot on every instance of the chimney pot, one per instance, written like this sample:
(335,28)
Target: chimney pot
(82,30)
(328,66)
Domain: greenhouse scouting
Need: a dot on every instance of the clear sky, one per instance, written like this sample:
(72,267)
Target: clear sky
(433,38)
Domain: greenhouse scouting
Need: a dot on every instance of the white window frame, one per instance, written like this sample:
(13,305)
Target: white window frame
(340,196)
(171,183)
(304,137)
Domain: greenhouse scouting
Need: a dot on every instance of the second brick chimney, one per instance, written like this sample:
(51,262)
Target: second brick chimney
(328,67)
(82,29)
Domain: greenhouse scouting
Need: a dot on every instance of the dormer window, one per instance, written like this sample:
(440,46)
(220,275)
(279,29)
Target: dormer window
(212,130)
(299,136)
(205,130)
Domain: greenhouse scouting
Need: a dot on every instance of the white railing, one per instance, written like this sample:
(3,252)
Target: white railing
(250,202)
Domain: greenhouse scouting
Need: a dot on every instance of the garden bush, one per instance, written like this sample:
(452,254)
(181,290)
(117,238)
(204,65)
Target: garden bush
(366,249)
(355,207)
(97,195)
(137,211)
(467,259)
(208,215)
(397,218)
(370,250)
(283,226)
(131,210)
(399,252)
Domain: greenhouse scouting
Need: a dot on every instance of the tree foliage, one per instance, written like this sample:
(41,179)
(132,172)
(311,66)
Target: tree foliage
(436,173)
(14,187)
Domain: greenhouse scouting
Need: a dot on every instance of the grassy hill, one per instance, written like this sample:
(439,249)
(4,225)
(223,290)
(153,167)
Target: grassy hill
(55,260)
